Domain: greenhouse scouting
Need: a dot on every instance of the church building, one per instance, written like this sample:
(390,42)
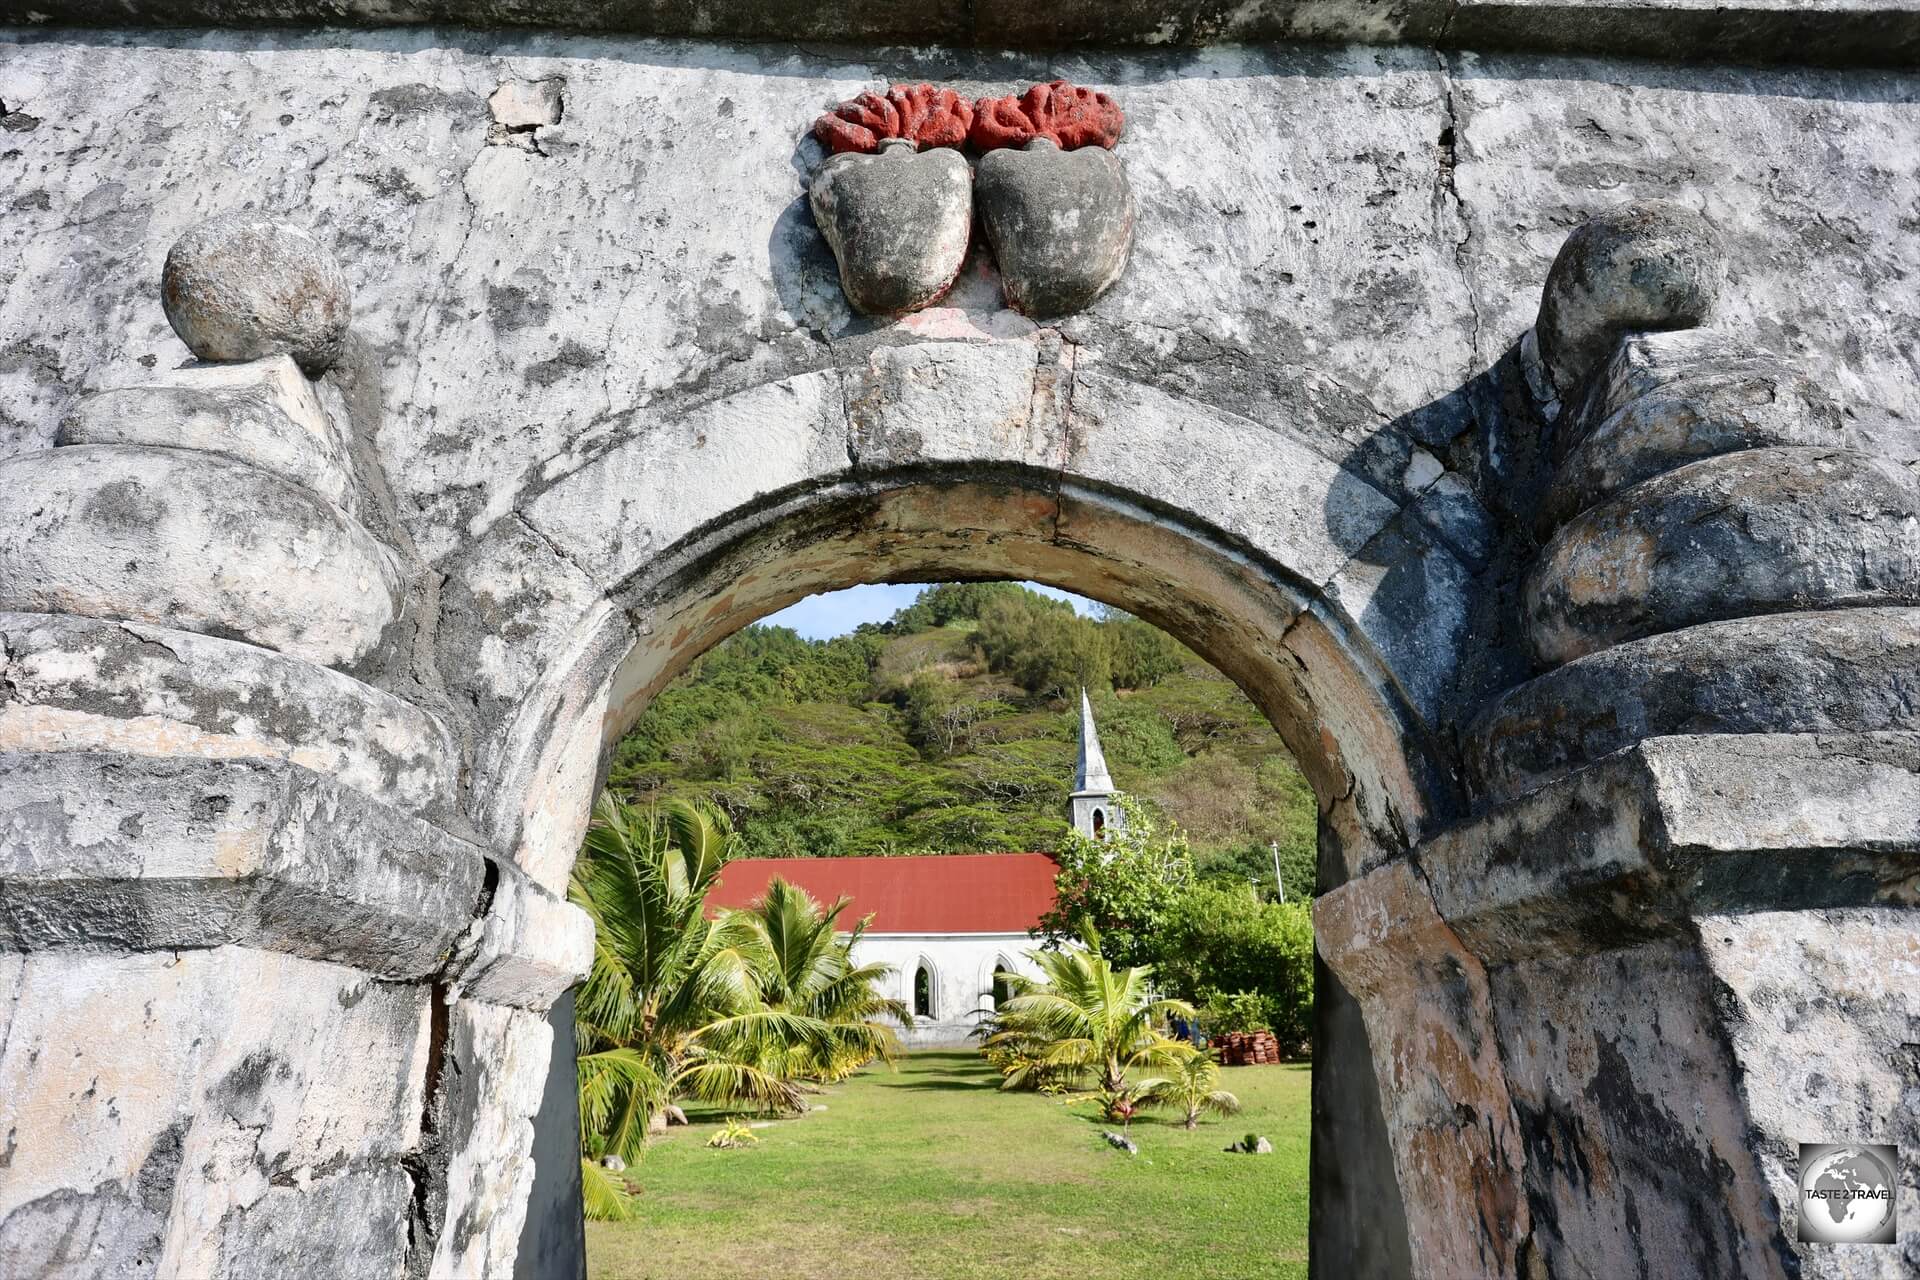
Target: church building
(945,923)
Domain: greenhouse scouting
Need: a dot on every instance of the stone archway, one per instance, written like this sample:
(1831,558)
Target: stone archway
(289,800)
(959,463)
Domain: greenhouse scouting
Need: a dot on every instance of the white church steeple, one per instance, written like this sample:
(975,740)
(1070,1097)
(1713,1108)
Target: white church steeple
(1092,806)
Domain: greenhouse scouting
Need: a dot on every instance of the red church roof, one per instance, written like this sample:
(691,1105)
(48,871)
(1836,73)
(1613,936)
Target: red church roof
(936,893)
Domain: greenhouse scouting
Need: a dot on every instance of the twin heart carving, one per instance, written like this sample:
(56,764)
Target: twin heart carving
(896,198)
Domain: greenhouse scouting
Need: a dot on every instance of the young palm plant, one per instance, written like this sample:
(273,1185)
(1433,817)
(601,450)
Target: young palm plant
(1193,1088)
(1088,1016)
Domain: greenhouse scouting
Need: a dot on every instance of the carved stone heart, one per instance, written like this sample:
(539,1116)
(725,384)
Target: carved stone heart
(898,222)
(1060,222)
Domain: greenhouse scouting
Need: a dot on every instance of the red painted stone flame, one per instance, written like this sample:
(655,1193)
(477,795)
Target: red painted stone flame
(919,112)
(1069,115)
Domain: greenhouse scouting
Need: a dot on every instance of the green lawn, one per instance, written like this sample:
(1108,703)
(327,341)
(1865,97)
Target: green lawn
(930,1173)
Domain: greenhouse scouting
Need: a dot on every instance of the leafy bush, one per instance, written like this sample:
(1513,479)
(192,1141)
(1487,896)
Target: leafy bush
(732,1135)
(1222,939)
(1193,1089)
(1223,1014)
(1099,1020)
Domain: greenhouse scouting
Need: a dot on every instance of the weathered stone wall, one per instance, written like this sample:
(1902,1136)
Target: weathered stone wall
(1595,643)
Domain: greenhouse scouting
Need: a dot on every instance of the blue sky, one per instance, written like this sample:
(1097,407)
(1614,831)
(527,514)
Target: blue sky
(838,612)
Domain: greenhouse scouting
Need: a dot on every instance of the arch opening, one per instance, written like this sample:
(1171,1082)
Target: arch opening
(1311,669)
(1379,775)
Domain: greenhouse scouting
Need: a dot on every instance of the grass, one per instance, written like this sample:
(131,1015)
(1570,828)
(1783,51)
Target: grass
(930,1173)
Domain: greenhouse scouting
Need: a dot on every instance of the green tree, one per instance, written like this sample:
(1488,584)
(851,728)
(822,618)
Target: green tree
(1122,886)
(1143,654)
(951,602)
(1044,647)
(1137,736)
(1089,1017)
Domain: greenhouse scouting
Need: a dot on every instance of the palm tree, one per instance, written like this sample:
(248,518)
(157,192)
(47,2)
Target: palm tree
(1193,1088)
(804,967)
(1088,1016)
(664,985)
(738,1009)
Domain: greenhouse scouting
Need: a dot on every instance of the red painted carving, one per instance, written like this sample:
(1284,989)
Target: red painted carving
(1069,115)
(929,116)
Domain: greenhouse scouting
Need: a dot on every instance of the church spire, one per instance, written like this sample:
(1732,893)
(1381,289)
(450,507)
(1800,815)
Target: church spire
(1091,805)
(1090,770)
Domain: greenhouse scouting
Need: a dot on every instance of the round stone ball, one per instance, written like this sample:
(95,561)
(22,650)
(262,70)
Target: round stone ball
(244,285)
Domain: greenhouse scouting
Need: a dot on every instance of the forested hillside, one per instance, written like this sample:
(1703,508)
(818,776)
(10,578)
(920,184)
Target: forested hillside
(951,728)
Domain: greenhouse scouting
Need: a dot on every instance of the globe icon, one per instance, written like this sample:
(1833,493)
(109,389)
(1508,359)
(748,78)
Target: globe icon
(1846,1196)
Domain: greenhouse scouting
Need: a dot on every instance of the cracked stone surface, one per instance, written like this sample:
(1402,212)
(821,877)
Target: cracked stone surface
(295,1089)
(603,400)
(125,531)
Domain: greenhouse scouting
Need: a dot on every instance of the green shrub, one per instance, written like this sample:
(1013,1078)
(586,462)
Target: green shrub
(1221,938)
(1221,1013)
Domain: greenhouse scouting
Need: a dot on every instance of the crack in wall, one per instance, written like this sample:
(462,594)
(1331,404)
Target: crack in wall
(561,553)
(1450,143)
(846,417)
(1061,393)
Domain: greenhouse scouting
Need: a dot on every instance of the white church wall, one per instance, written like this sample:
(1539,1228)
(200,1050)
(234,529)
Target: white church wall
(962,967)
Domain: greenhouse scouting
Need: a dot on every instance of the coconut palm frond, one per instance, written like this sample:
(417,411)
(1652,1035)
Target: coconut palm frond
(1082,1017)
(605,1193)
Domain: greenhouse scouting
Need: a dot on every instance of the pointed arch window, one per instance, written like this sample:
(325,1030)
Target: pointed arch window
(1099,824)
(1001,991)
(923,991)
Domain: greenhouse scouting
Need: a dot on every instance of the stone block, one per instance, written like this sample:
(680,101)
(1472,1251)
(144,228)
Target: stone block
(499,1059)
(1668,399)
(357,1220)
(1840,671)
(1820,1009)
(1260,483)
(196,1113)
(84,684)
(102,849)
(527,104)
(192,541)
(1631,848)
(1637,1146)
(507,609)
(263,413)
(625,506)
(948,402)
(1763,531)
(1408,593)
(1694,955)
(528,948)
(544,778)
(1457,1149)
